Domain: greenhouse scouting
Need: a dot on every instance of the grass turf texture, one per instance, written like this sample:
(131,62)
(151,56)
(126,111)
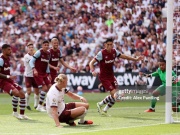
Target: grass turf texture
(127,118)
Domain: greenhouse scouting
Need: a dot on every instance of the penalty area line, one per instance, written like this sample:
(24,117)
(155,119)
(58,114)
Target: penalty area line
(116,128)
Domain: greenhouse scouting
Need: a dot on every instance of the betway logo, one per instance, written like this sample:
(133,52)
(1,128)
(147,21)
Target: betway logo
(129,79)
(8,68)
(44,60)
(109,61)
(81,80)
(55,59)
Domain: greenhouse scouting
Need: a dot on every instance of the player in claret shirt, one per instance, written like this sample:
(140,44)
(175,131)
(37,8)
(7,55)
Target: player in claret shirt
(56,59)
(8,85)
(106,58)
(40,66)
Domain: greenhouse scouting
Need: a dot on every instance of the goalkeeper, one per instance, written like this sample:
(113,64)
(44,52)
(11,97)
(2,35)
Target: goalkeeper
(161,90)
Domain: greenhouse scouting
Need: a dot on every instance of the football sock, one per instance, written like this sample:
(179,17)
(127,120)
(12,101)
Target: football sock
(27,99)
(36,100)
(15,103)
(82,117)
(109,105)
(108,99)
(22,105)
(153,103)
(42,97)
(44,104)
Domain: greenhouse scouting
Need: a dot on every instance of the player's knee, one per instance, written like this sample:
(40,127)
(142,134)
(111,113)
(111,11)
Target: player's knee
(175,109)
(21,94)
(155,93)
(83,110)
(45,89)
(15,92)
(86,106)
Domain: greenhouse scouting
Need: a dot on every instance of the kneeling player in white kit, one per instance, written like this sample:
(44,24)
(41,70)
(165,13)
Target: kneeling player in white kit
(63,112)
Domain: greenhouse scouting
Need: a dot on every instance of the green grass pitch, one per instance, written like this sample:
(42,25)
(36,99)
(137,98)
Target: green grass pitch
(127,118)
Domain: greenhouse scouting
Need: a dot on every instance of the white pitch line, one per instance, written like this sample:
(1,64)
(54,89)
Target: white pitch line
(118,128)
(90,131)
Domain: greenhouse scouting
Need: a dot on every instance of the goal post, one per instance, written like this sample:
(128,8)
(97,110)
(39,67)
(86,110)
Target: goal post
(169,50)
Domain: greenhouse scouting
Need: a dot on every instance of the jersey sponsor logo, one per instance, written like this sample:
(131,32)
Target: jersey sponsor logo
(44,60)
(8,68)
(109,61)
(55,59)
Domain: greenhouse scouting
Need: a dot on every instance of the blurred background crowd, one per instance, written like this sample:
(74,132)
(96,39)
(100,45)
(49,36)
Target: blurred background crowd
(138,27)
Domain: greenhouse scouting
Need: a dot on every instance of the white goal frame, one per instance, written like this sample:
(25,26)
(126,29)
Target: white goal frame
(169,50)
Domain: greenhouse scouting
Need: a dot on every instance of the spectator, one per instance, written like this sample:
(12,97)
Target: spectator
(84,24)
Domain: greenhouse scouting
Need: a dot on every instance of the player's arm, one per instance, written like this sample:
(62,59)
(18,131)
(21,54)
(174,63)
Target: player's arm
(54,111)
(3,76)
(75,96)
(52,67)
(152,74)
(173,74)
(97,58)
(174,78)
(91,65)
(32,62)
(48,71)
(66,65)
(123,56)
(155,73)
(53,101)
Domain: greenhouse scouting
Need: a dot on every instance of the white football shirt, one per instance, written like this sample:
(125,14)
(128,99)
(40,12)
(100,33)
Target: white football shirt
(55,97)
(28,70)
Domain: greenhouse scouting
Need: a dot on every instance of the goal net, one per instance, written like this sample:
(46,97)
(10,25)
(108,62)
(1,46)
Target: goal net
(176,60)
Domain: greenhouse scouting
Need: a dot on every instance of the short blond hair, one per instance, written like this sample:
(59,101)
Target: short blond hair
(60,78)
(54,39)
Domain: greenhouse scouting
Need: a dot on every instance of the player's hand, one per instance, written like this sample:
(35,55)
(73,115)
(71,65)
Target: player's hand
(35,72)
(174,79)
(49,77)
(57,69)
(94,73)
(73,69)
(13,77)
(59,126)
(83,99)
(139,58)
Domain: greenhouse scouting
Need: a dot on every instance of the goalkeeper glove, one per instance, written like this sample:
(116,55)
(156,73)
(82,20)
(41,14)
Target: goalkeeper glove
(174,79)
(147,75)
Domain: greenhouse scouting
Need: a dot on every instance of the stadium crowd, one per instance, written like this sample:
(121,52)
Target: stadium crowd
(138,28)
